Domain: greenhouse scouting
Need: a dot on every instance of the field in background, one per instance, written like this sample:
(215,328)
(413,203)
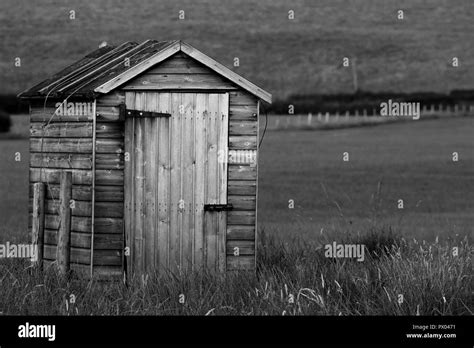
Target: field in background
(301,56)
(411,160)
(14,181)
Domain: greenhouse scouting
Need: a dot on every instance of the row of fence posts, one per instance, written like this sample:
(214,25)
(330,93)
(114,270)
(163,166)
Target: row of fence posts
(63,250)
(324,118)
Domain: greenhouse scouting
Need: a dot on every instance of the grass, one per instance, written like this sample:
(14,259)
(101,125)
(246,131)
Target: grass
(292,279)
(410,160)
(285,57)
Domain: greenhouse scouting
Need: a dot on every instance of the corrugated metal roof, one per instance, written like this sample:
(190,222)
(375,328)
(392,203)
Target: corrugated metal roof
(109,67)
(81,78)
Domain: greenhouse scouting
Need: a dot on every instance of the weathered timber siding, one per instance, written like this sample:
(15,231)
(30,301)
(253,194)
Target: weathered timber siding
(60,143)
(109,184)
(242,180)
(180,72)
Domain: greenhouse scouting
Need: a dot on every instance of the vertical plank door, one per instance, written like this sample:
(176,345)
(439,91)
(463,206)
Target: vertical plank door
(176,165)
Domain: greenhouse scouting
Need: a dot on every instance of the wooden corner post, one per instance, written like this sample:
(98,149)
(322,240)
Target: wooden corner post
(38,221)
(64,233)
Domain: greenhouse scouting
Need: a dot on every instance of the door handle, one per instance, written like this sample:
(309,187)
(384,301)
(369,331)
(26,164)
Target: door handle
(218,207)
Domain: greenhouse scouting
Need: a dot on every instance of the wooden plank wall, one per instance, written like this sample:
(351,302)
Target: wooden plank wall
(242,181)
(65,143)
(180,72)
(109,183)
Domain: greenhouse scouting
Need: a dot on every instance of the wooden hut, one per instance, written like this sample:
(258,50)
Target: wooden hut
(162,143)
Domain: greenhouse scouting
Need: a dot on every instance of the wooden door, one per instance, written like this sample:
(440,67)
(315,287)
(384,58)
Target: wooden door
(176,163)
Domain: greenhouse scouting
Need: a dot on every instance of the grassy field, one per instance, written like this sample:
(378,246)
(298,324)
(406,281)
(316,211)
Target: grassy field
(407,278)
(284,56)
(410,161)
(411,250)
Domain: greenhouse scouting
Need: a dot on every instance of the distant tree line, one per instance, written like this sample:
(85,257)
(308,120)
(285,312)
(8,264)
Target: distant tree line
(12,105)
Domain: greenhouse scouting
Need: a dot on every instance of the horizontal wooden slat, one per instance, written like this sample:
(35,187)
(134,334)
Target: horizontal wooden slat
(83,240)
(241,98)
(58,160)
(243,263)
(242,157)
(241,217)
(242,202)
(179,81)
(108,193)
(107,225)
(243,127)
(243,142)
(108,209)
(242,172)
(110,130)
(79,176)
(83,208)
(242,113)
(78,255)
(109,177)
(79,192)
(61,129)
(109,161)
(69,145)
(180,65)
(109,114)
(84,193)
(113,98)
(109,145)
(240,232)
(83,224)
(242,187)
(38,114)
(245,247)
(100,272)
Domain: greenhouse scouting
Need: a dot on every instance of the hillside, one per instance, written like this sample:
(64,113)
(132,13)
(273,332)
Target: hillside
(284,56)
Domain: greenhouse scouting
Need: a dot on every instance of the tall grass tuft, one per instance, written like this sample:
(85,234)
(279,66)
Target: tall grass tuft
(397,277)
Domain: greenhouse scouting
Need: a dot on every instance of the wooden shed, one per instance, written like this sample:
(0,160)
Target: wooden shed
(162,143)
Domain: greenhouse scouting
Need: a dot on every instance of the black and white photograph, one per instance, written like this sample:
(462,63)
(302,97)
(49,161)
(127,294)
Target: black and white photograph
(229,166)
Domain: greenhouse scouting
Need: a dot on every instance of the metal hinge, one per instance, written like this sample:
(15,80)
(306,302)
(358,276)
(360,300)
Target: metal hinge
(139,113)
(218,207)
